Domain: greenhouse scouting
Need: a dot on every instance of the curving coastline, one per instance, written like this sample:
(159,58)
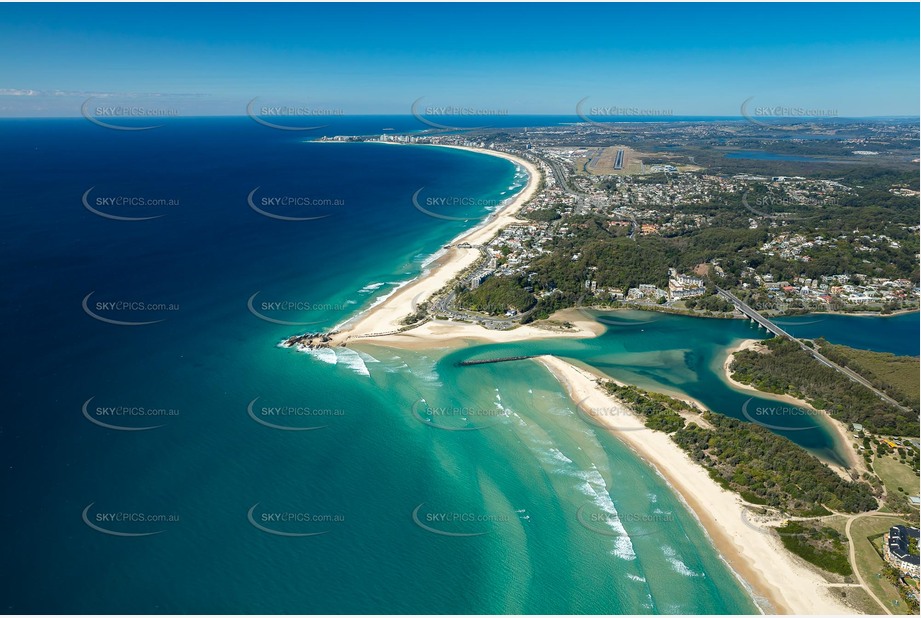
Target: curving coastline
(855,461)
(382,323)
(778,581)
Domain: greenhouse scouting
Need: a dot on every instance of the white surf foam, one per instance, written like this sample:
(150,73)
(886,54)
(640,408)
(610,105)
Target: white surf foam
(677,565)
(367,357)
(371,287)
(351,359)
(326,355)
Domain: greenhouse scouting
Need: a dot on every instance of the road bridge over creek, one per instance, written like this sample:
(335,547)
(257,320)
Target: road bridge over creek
(778,331)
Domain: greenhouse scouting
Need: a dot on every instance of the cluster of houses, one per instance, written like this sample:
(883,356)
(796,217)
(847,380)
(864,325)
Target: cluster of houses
(683,189)
(680,286)
(850,290)
(794,246)
(649,208)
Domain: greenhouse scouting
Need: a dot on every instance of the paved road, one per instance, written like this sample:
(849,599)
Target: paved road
(852,548)
(770,326)
(560,176)
(634,226)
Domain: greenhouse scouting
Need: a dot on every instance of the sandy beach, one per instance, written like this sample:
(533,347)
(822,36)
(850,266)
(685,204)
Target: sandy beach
(781,582)
(444,333)
(387,316)
(843,436)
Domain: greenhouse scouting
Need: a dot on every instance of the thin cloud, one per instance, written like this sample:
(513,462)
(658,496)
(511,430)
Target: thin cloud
(23,92)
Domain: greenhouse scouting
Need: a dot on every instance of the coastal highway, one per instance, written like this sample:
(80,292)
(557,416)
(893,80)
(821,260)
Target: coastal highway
(560,176)
(563,181)
(771,327)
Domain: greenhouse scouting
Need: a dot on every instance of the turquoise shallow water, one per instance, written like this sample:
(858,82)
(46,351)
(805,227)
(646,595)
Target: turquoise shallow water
(281,482)
(528,475)
(216,493)
(679,355)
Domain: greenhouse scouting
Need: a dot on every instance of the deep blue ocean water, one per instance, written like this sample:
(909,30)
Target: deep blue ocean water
(228,445)
(248,440)
(533,511)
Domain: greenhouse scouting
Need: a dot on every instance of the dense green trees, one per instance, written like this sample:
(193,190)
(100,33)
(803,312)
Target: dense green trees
(761,466)
(542,214)
(787,369)
(497,295)
(769,469)
(710,303)
(897,376)
(659,411)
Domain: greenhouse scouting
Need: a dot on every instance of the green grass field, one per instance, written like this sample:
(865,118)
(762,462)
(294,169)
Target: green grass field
(858,599)
(869,562)
(882,368)
(894,474)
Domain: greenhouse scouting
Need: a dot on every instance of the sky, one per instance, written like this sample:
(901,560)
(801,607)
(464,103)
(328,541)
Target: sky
(851,59)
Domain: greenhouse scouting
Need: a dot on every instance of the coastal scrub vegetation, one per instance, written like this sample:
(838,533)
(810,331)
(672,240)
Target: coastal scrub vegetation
(786,369)
(822,546)
(897,376)
(543,214)
(769,469)
(660,412)
(763,467)
(714,303)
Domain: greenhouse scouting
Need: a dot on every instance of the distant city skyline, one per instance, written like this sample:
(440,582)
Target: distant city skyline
(840,60)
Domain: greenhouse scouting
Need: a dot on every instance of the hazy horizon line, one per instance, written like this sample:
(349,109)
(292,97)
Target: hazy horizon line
(532,114)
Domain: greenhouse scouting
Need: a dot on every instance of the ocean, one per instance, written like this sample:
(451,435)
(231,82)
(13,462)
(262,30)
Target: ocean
(684,356)
(162,455)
